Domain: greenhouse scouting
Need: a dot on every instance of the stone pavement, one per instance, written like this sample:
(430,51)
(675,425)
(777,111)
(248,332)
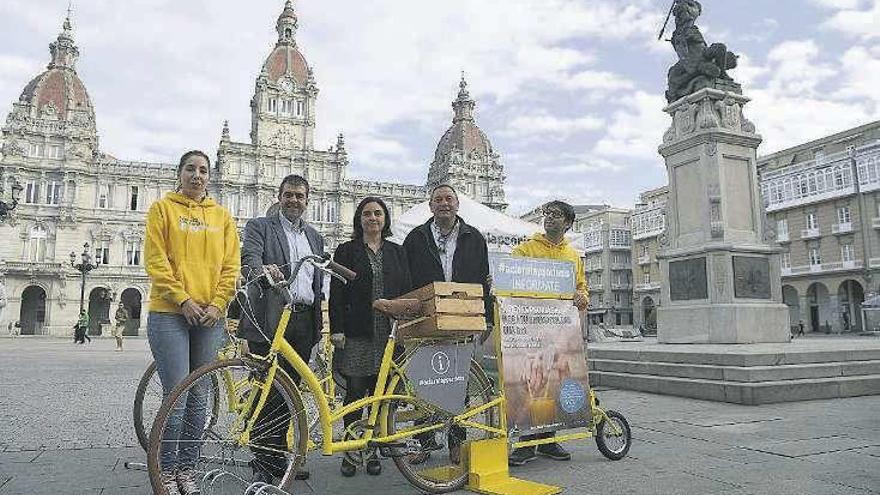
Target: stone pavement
(65,428)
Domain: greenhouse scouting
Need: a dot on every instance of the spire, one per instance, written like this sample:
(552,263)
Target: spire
(287,24)
(63,50)
(224,135)
(463,105)
(340,143)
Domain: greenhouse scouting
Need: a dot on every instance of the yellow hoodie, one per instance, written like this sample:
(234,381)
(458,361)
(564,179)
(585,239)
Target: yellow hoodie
(541,247)
(192,251)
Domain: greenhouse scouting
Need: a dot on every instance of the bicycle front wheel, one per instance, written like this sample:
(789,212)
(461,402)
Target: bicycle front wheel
(613,436)
(148,399)
(225,454)
(432,462)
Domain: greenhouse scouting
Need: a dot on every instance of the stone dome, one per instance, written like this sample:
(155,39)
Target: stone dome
(286,59)
(59,90)
(464,135)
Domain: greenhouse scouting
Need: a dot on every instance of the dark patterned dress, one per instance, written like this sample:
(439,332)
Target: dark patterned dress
(362,356)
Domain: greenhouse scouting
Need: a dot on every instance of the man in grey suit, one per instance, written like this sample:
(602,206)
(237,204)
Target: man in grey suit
(274,244)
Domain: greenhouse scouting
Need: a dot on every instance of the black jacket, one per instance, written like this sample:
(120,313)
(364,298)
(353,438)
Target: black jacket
(351,304)
(470,264)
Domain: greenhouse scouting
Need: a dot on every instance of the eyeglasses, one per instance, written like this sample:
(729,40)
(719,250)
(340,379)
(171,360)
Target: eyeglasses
(553,214)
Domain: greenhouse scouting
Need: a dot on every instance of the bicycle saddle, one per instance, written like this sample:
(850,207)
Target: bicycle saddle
(399,309)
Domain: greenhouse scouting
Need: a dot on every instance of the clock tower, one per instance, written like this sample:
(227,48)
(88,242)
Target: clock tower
(283,106)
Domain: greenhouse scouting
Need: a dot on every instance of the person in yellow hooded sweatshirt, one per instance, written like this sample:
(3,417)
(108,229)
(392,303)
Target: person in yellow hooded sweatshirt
(558,219)
(193,259)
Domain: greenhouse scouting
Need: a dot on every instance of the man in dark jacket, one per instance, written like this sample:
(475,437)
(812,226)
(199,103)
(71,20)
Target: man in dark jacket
(273,244)
(445,249)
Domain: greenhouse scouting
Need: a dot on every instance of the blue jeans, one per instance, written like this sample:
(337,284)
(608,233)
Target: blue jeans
(179,348)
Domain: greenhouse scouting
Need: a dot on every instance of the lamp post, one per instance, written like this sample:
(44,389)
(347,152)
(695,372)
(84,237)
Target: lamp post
(5,207)
(84,267)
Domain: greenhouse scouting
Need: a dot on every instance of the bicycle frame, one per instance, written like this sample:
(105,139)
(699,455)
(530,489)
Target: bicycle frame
(389,376)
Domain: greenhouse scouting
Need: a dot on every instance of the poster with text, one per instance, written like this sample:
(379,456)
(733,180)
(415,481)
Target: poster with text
(544,364)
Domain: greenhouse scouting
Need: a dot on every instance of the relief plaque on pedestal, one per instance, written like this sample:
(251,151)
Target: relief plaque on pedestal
(687,279)
(751,277)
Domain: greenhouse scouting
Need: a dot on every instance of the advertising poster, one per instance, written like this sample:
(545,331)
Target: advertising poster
(545,368)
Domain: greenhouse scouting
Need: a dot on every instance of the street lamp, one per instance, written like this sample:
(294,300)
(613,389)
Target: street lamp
(85,266)
(5,207)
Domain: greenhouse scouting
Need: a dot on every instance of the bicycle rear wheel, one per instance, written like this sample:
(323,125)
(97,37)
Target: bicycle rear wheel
(220,454)
(432,462)
(148,399)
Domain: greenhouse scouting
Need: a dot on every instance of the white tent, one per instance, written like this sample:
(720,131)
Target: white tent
(502,232)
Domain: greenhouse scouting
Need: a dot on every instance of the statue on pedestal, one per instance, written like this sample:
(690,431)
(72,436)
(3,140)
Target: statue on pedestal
(699,65)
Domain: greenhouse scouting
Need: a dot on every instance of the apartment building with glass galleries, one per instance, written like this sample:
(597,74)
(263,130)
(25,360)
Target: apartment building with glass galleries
(822,200)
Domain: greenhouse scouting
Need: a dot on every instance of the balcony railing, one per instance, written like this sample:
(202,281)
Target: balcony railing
(592,248)
(621,286)
(836,266)
(616,265)
(618,246)
(599,287)
(647,287)
(875,222)
(644,260)
(842,228)
(782,236)
(810,233)
(37,266)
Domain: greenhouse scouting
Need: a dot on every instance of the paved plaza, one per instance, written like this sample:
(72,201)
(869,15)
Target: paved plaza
(65,428)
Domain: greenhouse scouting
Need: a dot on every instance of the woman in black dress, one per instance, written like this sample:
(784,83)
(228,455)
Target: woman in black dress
(358,331)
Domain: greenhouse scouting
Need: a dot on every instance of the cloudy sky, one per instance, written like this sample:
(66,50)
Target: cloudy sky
(569,91)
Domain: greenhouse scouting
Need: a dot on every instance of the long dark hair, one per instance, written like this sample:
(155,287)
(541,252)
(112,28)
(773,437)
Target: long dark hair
(359,229)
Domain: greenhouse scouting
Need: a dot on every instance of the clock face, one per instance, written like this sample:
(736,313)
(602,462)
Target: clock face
(286,85)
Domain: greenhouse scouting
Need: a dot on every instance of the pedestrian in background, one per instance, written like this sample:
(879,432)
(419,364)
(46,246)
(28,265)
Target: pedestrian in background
(360,332)
(121,318)
(193,260)
(81,329)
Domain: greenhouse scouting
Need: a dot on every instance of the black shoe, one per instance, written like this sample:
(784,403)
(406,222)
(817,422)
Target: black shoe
(373,466)
(554,451)
(347,468)
(521,456)
(301,475)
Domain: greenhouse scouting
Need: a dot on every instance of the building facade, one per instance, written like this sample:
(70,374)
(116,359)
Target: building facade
(74,194)
(608,263)
(647,223)
(822,200)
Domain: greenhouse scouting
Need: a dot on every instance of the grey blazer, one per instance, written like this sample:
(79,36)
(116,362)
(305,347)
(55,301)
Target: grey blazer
(265,244)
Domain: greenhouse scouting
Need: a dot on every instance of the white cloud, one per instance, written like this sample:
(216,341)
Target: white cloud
(637,129)
(855,22)
(548,126)
(838,4)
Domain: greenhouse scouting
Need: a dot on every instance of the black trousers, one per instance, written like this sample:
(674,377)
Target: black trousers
(269,438)
(357,387)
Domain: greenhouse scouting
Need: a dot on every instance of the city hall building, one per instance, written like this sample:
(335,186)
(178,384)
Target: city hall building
(76,194)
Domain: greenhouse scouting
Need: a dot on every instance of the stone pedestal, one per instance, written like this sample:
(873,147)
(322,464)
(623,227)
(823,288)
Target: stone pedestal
(721,279)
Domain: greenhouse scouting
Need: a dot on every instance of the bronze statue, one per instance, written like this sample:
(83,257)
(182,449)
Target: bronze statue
(699,65)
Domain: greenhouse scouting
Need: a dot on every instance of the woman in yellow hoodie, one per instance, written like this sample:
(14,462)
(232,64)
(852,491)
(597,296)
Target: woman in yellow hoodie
(193,260)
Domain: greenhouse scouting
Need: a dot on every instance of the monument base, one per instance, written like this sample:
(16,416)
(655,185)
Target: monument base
(737,323)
